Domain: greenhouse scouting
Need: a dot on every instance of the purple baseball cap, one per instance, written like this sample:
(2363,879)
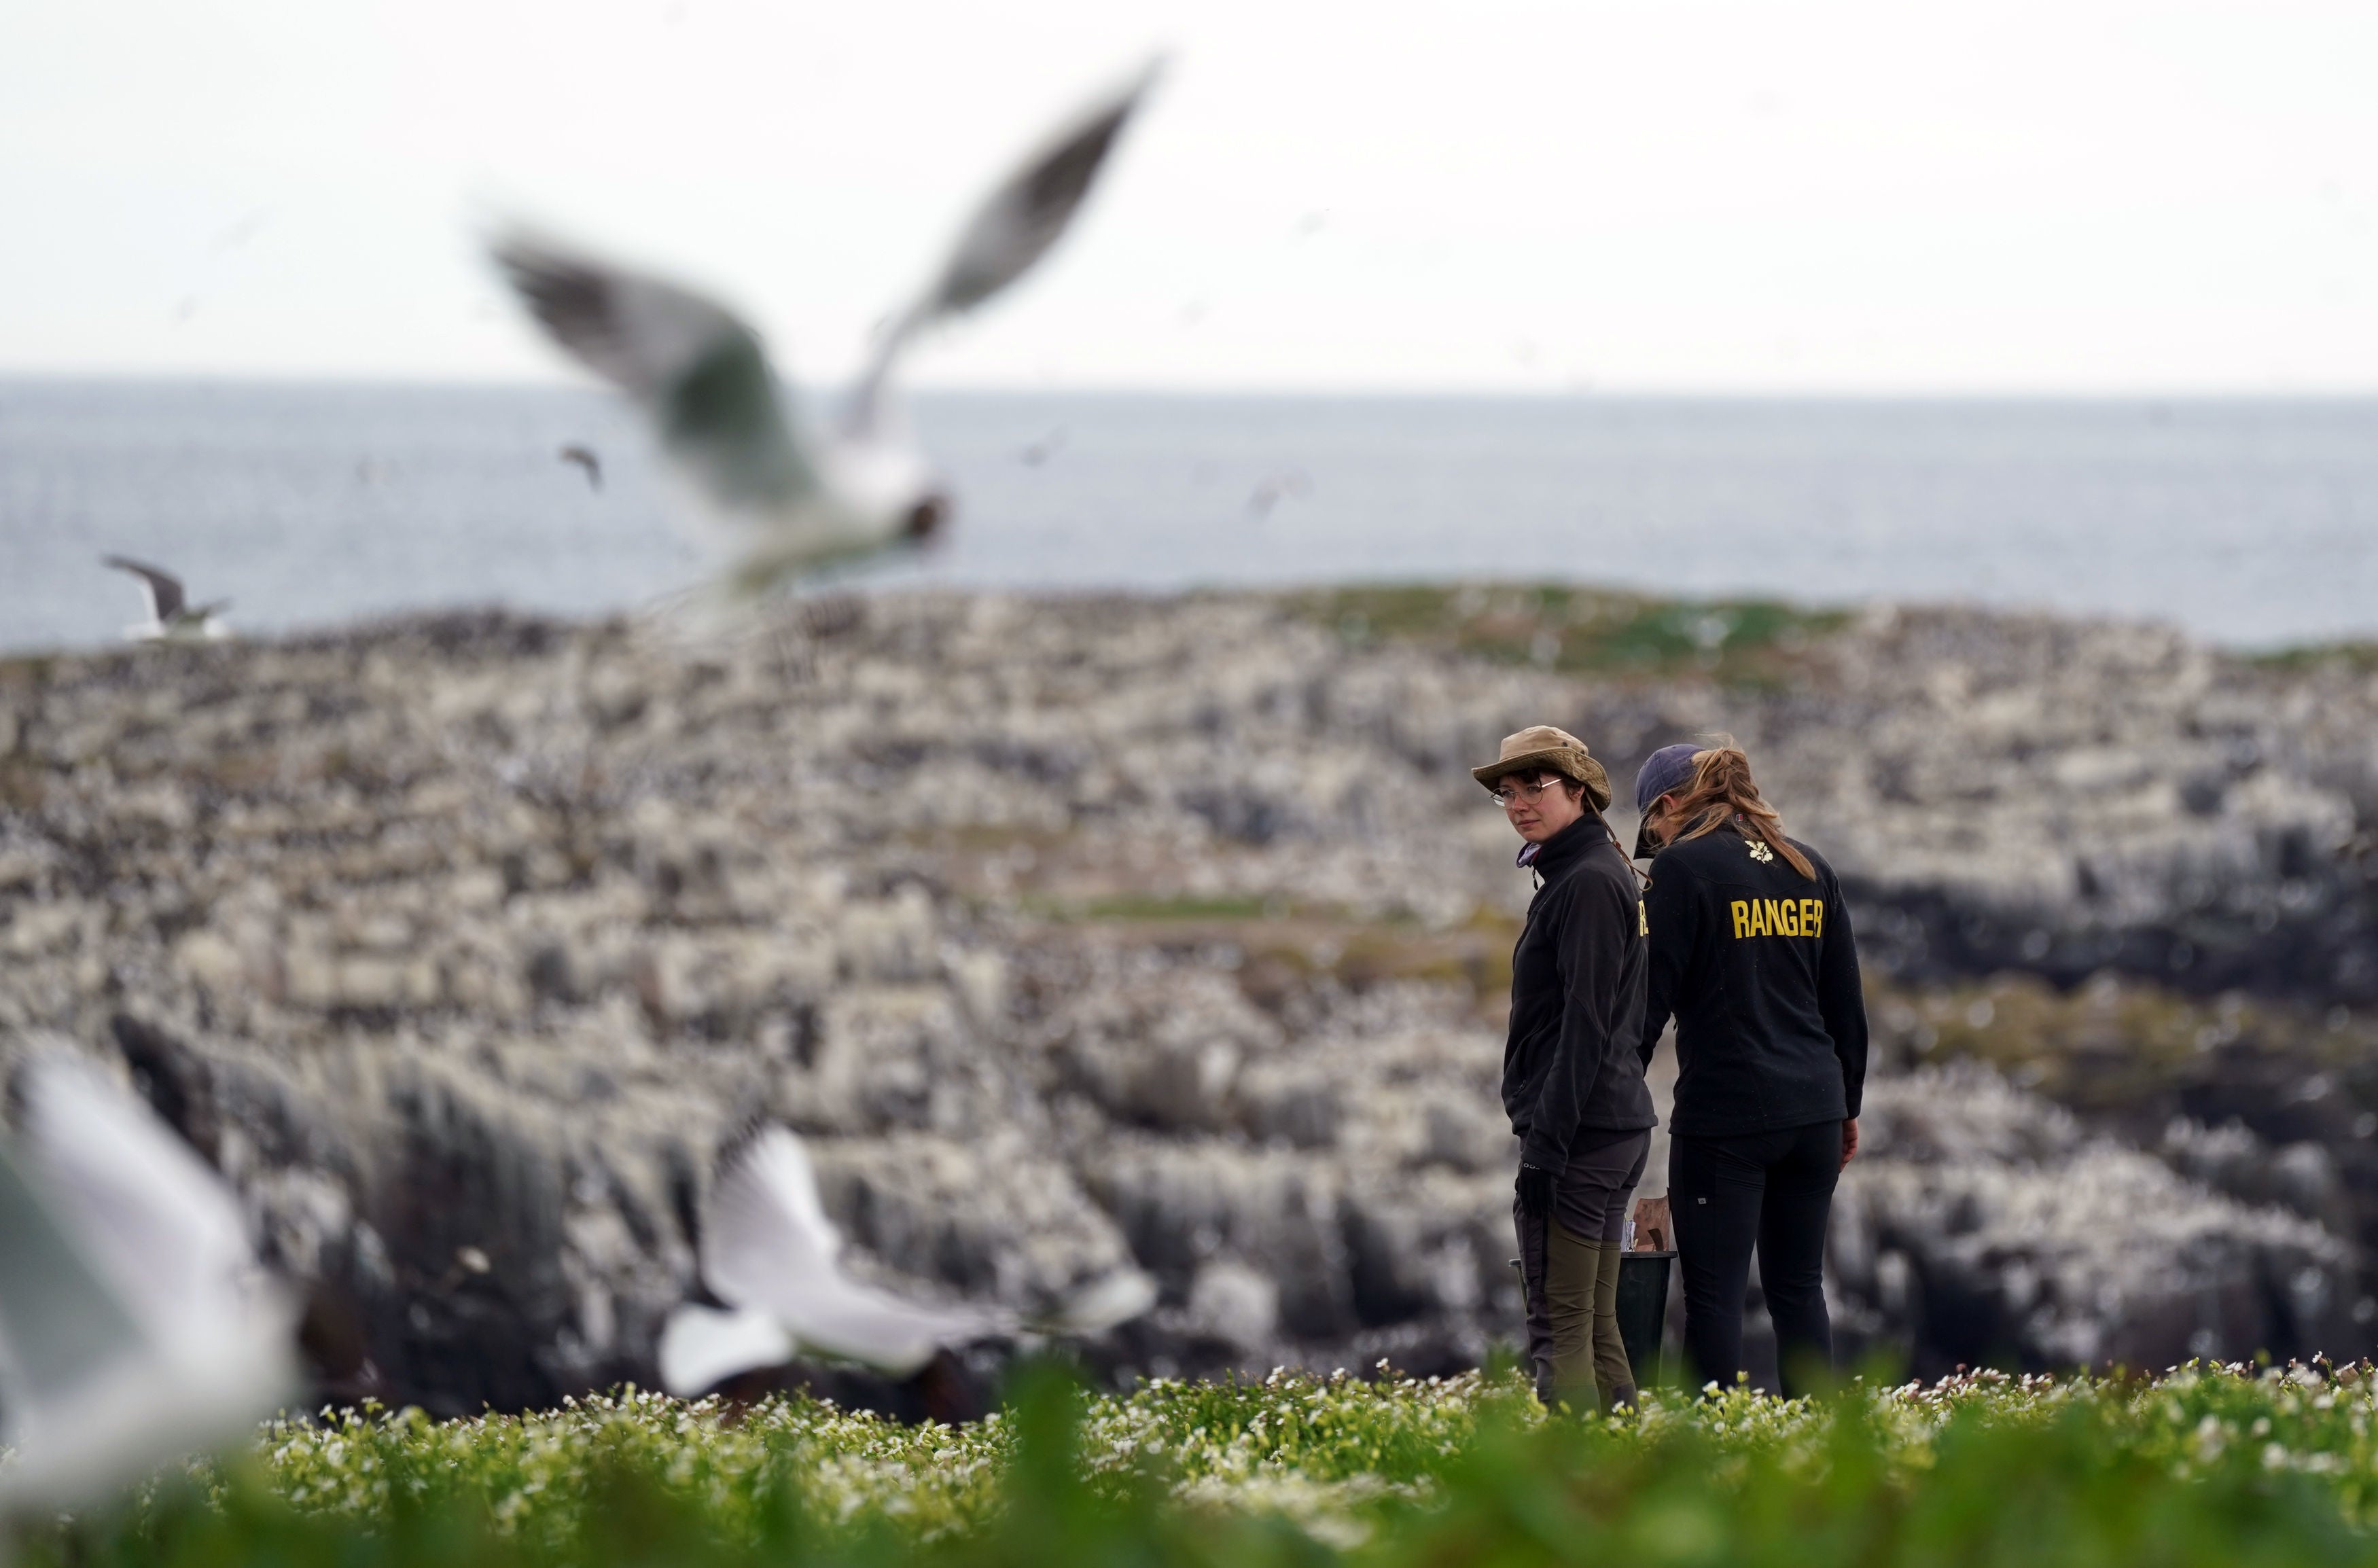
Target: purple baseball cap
(1665,771)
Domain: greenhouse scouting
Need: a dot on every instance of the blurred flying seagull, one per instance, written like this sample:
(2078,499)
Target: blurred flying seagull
(771,1254)
(171,617)
(1034,453)
(804,499)
(135,1324)
(1275,488)
(584,457)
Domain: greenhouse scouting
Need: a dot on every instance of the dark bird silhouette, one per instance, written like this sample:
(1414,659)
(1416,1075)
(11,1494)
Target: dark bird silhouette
(585,457)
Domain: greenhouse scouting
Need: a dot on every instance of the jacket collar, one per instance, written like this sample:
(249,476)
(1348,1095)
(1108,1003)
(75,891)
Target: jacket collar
(1645,849)
(1564,846)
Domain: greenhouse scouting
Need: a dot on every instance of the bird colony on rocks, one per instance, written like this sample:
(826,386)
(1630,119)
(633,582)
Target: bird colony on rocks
(1076,936)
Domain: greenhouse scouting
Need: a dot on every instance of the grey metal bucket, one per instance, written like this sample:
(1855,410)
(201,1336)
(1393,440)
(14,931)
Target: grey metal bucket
(1643,1311)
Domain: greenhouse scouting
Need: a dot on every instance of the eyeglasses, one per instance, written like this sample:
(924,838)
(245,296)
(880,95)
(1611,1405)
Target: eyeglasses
(1511,794)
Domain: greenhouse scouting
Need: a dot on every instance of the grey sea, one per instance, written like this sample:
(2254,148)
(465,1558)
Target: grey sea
(2250,522)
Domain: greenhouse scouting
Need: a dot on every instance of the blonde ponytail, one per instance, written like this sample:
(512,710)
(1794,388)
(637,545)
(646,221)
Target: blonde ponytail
(1723,794)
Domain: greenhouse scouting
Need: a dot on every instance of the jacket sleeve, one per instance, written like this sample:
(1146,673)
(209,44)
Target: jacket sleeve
(1841,996)
(1590,957)
(1668,913)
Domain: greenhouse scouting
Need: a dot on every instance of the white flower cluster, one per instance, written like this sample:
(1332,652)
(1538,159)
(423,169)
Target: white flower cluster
(1325,1453)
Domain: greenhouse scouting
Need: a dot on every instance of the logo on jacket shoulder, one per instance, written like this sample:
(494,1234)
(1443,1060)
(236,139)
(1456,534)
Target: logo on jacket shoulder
(1778,918)
(1761,853)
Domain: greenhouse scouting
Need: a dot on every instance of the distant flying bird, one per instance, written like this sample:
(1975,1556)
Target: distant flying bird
(584,457)
(1032,454)
(135,1324)
(801,499)
(769,1252)
(1276,488)
(171,617)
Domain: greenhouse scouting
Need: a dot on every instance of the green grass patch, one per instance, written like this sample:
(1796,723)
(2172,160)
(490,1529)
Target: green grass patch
(1581,630)
(2360,658)
(2203,1466)
(1134,907)
(2118,1042)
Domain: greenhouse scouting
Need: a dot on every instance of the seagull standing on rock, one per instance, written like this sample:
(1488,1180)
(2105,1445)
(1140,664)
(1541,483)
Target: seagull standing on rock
(171,617)
(799,500)
(771,1254)
(135,1324)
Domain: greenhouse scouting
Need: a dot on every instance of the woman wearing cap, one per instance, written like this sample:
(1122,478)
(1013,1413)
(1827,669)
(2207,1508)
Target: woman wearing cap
(1572,1079)
(1751,952)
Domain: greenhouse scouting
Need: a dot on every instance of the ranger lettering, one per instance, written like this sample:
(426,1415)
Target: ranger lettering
(1773,917)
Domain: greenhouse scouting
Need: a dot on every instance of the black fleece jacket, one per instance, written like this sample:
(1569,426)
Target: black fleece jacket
(1569,1065)
(1758,964)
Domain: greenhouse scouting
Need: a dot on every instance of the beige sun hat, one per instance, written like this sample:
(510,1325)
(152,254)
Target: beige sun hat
(1542,745)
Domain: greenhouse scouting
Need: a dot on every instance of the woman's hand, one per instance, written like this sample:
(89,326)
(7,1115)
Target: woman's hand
(1535,1190)
(1849,1144)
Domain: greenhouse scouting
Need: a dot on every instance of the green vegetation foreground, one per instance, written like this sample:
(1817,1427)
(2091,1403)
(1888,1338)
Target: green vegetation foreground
(2206,1465)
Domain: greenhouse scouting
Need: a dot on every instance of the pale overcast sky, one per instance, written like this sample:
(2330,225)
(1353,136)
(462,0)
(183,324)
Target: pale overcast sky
(1862,195)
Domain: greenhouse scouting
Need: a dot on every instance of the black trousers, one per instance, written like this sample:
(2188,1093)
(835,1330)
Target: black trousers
(1771,1190)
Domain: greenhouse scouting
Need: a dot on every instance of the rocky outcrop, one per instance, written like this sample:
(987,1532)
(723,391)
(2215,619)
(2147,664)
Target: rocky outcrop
(1069,930)
(2069,799)
(1982,1226)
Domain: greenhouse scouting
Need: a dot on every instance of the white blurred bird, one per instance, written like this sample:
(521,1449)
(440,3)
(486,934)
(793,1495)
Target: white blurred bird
(171,617)
(135,1324)
(801,500)
(769,1251)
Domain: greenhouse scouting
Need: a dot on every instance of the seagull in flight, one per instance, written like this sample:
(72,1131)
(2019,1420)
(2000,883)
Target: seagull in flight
(134,1323)
(171,617)
(585,457)
(1276,488)
(1032,454)
(800,500)
(768,1251)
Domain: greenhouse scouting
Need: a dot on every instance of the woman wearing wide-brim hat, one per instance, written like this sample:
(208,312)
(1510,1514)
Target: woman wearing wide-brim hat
(1572,1074)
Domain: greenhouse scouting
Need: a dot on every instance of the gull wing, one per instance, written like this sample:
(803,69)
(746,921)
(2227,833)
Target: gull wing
(897,1337)
(702,1347)
(1018,223)
(182,1349)
(157,1223)
(767,1246)
(61,1326)
(163,588)
(765,1220)
(701,372)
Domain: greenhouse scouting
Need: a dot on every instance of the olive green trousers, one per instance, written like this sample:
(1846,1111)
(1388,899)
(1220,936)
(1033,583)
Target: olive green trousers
(1569,1270)
(1582,1300)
